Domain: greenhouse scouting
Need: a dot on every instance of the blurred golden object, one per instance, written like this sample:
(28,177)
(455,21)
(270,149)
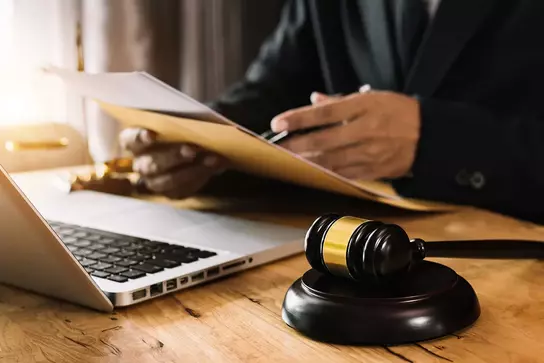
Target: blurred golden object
(44,145)
(120,165)
(114,177)
(102,179)
(104,184)
(13,146)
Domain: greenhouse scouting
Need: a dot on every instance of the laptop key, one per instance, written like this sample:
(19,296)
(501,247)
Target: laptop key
(169,247)
(164,263)
(69,240)
(102,266)
(56,228)
(96,246)
(82,252)
(147,268)
(110,250)
(135,239)
(150,250)
(97,256)
(89,269)
(79,234)
(110,259)
(100,274)
(190,249)
(106,240)
(87,262)
(155,244)
(133,274)
(140,258)
(82,243)
(93,237)
(72,248)
(120,243)
(116,270)
(117,278)
(133,247)
(180,250)
(126,263)
(205,254)
(124,254)
(149,243)
(185,257)
(177,258)
(66,231)
(188,259)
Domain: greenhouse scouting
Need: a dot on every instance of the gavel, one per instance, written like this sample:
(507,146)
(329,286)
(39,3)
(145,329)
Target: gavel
(360,249)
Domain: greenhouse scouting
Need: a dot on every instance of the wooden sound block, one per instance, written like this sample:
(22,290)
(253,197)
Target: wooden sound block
(430,301)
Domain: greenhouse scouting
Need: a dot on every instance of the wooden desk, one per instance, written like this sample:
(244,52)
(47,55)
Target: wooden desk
(238,318)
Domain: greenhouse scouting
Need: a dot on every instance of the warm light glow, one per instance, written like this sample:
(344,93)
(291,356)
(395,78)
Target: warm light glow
(10,146)
(100,170)
(64,141)
(6,16)
(27,44)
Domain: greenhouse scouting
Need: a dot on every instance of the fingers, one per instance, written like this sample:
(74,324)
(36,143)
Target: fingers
(136,140)
(371,153)
(344,157)
(323,140)
(323,113)
(370,160)
(182,182)
(161,159)
(359,172)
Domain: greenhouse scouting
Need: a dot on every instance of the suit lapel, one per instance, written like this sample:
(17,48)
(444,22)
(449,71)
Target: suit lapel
(455,22)
(376,55)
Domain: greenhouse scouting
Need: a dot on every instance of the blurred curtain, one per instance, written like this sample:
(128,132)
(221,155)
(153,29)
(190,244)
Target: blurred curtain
(197,46)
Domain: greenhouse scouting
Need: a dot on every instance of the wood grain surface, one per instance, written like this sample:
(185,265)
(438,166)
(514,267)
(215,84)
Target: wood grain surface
(238,318)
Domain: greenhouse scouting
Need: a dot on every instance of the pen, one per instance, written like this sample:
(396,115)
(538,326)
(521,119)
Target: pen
(274,138)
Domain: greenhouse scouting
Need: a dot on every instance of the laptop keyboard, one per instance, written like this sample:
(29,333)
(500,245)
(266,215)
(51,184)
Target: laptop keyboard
(122,258)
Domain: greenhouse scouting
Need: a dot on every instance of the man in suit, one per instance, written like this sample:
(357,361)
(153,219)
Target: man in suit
(454,113)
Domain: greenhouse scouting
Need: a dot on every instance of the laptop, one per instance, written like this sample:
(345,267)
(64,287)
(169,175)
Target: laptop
(104,251)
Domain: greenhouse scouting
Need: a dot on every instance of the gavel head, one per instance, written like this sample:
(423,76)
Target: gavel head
(359,249)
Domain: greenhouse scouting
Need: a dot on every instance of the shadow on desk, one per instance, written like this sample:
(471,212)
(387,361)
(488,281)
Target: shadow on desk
(244,194)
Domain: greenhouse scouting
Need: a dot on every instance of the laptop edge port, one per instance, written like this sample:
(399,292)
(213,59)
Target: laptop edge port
(156,289)
(198,276)
(213,272)
(233,265)
(171,284)
(140,294)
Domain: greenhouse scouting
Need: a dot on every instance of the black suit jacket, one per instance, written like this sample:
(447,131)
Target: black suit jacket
(478,76)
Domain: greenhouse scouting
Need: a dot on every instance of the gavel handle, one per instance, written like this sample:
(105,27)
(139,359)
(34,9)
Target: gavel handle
(489,249)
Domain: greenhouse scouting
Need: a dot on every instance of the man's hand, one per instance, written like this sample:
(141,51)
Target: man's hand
(173,170)
(375,136)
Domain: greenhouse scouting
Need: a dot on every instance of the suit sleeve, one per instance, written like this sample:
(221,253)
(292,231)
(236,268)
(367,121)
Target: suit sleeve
(282,76)
(470,155)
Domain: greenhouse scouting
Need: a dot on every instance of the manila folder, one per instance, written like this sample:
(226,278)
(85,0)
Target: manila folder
(137,99)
